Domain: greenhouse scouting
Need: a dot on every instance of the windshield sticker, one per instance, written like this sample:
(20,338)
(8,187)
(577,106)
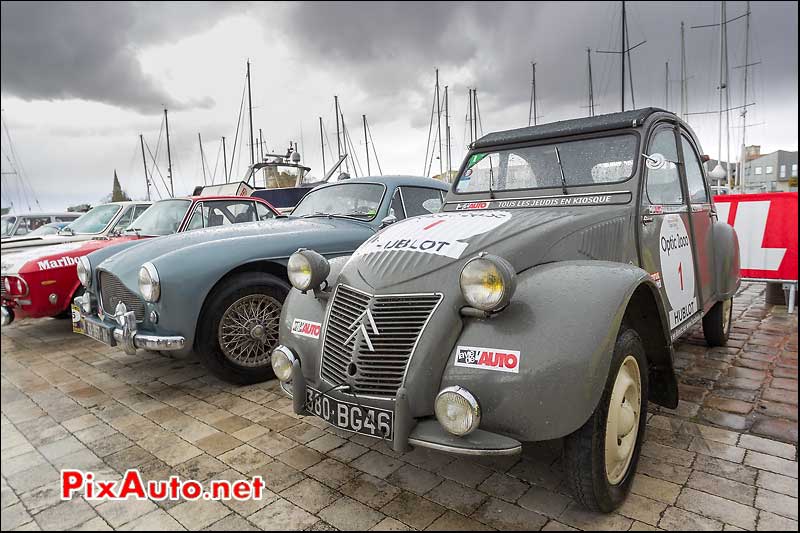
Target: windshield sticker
(677,269)
(306,328)
(442,234)
(572,200)
(474,159)
(488,359)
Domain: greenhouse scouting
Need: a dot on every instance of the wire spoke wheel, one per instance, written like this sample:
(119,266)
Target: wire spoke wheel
(622,424)
(248,330)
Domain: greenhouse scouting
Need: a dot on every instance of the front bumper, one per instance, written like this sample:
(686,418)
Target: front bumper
(7,315)
(125,333)
(425,433)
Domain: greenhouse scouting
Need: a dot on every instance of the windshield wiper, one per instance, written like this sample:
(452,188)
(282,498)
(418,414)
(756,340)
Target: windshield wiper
(132,230)
(317,214)
(561,170)
(491,179)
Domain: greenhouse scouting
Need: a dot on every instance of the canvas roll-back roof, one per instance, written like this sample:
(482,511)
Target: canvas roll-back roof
(575,126)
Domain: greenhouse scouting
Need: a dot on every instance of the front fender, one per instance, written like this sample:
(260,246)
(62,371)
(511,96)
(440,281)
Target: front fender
(726,260)
(563,319)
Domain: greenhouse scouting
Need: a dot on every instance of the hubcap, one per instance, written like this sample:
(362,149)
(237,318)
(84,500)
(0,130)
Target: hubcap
(248,330)
(622,425)
(726,313)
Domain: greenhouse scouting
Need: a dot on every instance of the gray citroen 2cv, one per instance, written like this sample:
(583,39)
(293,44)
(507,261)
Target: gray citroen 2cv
(542,301)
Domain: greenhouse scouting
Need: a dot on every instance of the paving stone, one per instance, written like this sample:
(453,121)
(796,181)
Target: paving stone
(718,467)
(277,476)
(331,473)
(451,521)
(544,501)
(579,517)
(466,473)
(65,515)
(14,516)
(768,446)
(783,383)
(32,478)
(717,449)
(777,503)
(675,519)
(311,495)
(197,514)
(410,509)
(218,443)
(785,430)
(390,524)
(772,522)
(348,452)
(282,515)
(503,487)
(719,486)
(554,525)
(662,470)
(717,508)
(642,509)
(376,464)
(454,496)
(780,395)
(370,490)
(729,405)
(771,463)
(95,524)
(232,522)
(777,483)
(117,513)
(413,479)
(727,420)
(654,488)
(347,514)
(245,458)
(667,453)
(326,443)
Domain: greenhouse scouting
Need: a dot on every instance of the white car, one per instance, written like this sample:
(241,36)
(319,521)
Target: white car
(101,221)
(20,225)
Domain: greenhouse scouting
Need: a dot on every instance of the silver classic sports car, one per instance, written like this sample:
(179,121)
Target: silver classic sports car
(542,302)
(218,291)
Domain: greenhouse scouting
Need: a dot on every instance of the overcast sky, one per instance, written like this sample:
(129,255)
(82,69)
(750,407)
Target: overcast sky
(81,81)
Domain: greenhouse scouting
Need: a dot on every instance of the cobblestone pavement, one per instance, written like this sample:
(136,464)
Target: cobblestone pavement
(726,459)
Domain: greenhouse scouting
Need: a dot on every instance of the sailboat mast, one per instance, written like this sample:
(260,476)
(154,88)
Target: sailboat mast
(666,86)
(447,130)
(169,158)
(144,163)
(366,142)
(224,160)
(250,112)
(532,107)
(202,157)
(622,49)
(322,146)
(718,170)
(743,156)
(260,144)
(684,87)
(439,122)
(727,98)
(338,138)
(591,84)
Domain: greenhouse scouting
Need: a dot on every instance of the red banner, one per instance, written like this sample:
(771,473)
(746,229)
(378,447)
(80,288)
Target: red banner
(767,228)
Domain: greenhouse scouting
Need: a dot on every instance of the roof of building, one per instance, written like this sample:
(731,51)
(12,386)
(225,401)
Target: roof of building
(610,121)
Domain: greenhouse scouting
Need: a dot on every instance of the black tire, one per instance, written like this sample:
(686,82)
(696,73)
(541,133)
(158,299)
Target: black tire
(584,450)
(67,313)
(208,344)
(717,323)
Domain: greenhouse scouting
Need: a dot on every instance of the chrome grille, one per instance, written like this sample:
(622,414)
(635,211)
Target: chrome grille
(113,291)
(400,319)
(2,286)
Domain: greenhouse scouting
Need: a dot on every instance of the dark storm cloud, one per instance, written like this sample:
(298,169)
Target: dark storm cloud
(88,51)
(391,49)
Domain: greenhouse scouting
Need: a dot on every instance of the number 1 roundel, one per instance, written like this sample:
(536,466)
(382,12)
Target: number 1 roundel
(677,264)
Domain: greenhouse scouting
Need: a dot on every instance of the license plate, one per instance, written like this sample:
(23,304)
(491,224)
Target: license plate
(77,320)
(348,416)
(99,332)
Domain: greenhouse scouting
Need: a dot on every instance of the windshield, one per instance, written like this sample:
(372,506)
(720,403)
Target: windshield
(6,225)
(95,220)
(161,218)
(359,200)
(585,162)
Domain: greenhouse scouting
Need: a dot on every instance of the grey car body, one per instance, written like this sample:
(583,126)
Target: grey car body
(587,259)
(192,265)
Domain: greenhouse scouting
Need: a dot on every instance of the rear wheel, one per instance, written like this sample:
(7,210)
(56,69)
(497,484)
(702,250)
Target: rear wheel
(240,325)
(717,323)
(600,458)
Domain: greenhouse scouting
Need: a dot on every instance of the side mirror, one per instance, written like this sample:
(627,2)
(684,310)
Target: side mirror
(655,161)
(66,230)
(388,220)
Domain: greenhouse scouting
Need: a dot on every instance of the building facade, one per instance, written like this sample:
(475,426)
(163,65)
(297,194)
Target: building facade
(773,172)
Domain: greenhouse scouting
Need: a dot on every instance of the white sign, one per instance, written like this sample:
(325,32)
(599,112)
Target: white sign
(440,234)
(677,269)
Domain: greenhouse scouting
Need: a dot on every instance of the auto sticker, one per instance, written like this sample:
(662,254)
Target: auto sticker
(443,234)
(677,269)
(488,359)
(306,328)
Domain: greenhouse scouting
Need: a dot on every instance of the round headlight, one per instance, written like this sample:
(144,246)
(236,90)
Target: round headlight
(488,282)
(282,362)
(307,270)
(457,410)
(84,269)
(149,284)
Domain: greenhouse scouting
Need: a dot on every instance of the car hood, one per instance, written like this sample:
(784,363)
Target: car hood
(27,260)
(444,241)
(241,242)
(19,243)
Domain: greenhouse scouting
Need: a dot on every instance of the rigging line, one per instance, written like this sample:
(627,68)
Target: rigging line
(163,181)
(23,173)
(425,167)
(369,131)
(478,112)
(353,151)
(216,163)
(158,146)
(20,196)
(236,137)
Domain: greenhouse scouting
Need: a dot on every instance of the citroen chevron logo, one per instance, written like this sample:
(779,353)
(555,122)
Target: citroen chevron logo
(363,329)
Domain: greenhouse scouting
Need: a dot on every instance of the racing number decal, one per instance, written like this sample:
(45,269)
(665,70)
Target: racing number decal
(677,269)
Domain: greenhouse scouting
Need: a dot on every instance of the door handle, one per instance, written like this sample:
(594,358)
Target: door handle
(647,219)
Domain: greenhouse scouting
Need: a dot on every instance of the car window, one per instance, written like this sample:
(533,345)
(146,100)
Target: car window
(222,213)
(421,200)
(396,208)
(694,174)
(263,212)
(28,224)
(664,183)
(139,209)
(66,218)
(125,220)
(197,221)
(95,220)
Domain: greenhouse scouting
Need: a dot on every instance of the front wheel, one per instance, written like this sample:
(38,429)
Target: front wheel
(239,327)
(717,323)
(600,458)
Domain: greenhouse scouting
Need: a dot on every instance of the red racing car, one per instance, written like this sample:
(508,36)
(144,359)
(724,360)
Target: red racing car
(43,281)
